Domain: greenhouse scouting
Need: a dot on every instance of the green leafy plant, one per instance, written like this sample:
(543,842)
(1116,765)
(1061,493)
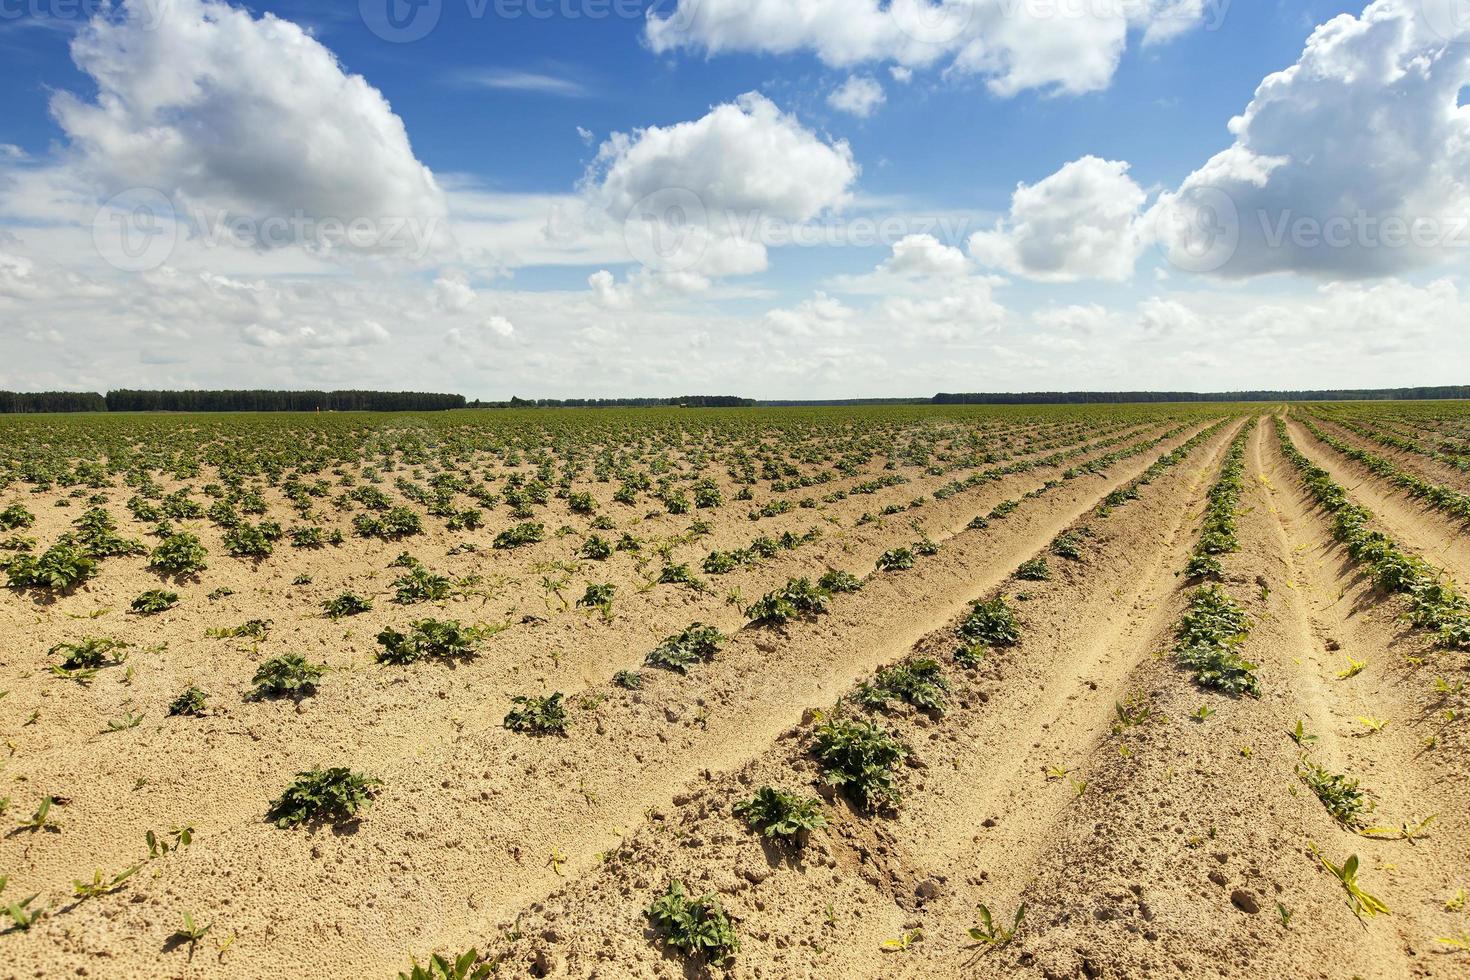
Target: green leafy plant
(346,604)
(538,715)
(629,680)
(128,720)
(334,795)
(1339,794)
(860,757)
(1362,903)
(918,682)
(89,653)
(836,581)
(41,819)
(191,932)
(251,629)
(598,596)
(289,675)
(896,560)
(179,555)
(155,601)
(776,813)
(160,847)
(252,541)
(990,623)
(695,643)
(428,639)
(1208,640)
(697,927)
(994,935)
(22,916)
(98,886)
(193,702)
(465,966)
(419,584)
(1034,570)
(16,517)
(799,597)
(519,535)
(59,568)
(1067,545)
(1300,735)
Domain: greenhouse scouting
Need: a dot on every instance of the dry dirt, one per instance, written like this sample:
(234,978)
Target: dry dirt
(1175,846)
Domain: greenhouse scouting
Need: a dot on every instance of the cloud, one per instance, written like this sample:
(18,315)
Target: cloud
(222,111)
(819,316)
(745,155)
(1084,319)
(1079,223)
(860,96)
(525,81)
(1351,163)
(691,197)
(1014,45)
(925,255)
(453,292)
(924,291)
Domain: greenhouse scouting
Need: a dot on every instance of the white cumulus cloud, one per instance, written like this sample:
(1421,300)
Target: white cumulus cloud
(860,95)
(228,112)
(1013,44)
(1079,223)
(1354,162)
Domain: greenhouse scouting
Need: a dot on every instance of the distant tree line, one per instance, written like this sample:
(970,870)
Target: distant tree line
(17,402)
(127,400)
(261,400)
(684,401)
(1115,397)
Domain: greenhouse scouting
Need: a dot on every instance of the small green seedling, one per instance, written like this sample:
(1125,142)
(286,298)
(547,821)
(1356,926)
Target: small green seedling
(97,886)
(465,966)
(992,934)
(1362,903)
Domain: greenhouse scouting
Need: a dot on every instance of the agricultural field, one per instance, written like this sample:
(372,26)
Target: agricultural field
(1049,692)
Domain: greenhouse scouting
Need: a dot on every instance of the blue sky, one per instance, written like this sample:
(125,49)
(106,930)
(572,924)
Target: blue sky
(507,125)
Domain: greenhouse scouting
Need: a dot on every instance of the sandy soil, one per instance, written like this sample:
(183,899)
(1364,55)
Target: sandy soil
(1175,845)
